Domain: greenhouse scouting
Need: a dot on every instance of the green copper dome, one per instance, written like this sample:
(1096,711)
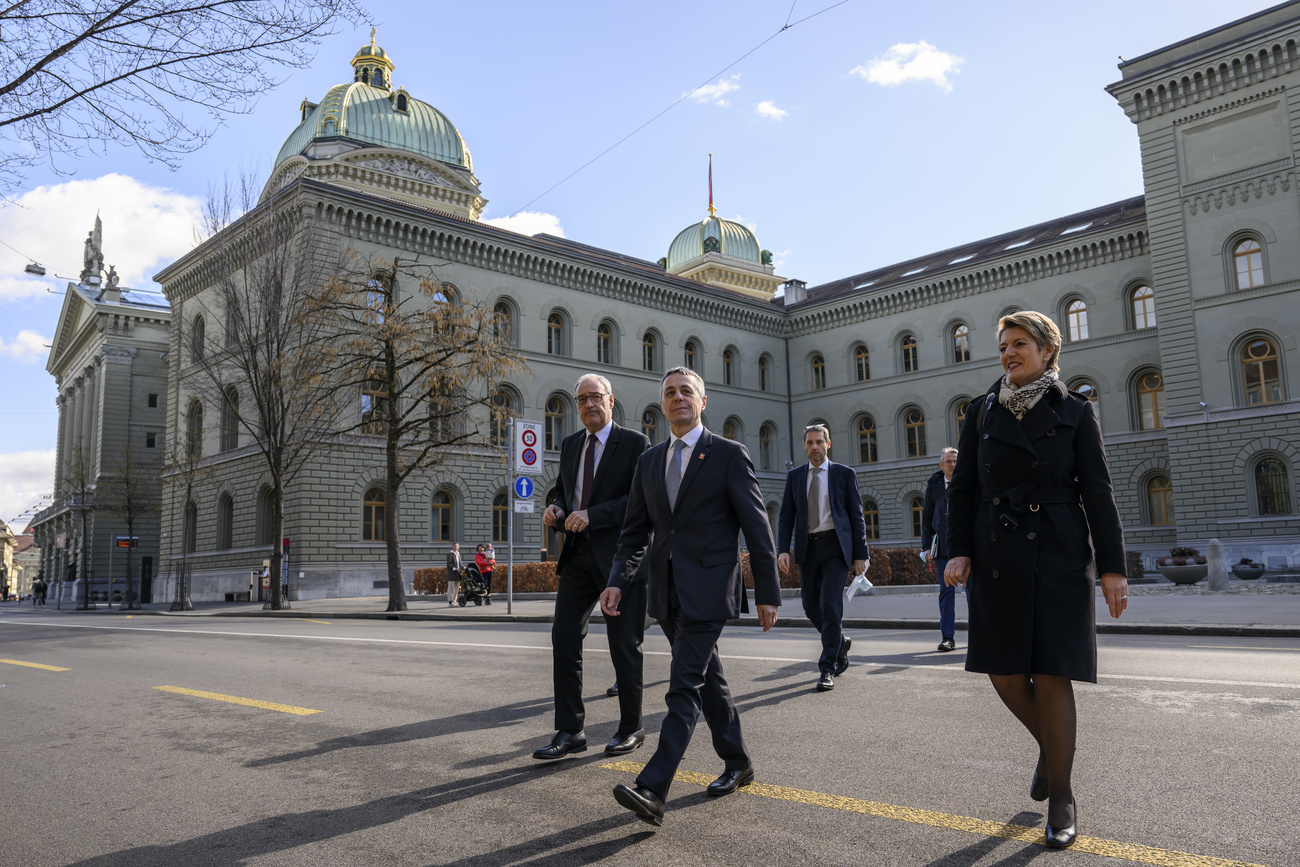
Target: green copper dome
(714,235)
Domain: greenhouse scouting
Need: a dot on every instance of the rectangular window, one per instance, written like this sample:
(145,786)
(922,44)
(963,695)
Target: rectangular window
(150,440)
(153,400)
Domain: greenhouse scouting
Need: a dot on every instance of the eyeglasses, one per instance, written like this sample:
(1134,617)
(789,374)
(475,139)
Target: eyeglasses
(584,399)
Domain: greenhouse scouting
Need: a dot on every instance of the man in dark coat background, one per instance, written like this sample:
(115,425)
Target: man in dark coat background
(692,497)
(597,465)
(453,573)
(934,544)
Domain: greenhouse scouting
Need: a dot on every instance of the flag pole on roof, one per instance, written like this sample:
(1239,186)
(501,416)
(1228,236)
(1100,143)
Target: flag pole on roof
(712,210)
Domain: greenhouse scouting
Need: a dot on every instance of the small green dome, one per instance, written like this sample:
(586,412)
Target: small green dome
(714,235)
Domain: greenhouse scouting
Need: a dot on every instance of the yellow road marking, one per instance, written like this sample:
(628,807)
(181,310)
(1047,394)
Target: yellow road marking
(309,620)
(234,699)
(35,665)
(1239,647)
(1003,830)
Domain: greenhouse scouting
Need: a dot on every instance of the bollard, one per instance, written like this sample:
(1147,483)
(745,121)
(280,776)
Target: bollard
(1218,561)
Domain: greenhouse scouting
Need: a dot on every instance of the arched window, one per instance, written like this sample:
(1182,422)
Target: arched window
(230,419)
(554,423)
(915,508)
(691,354)
(604,343)
(191,527)
(1088,389)
(194,430)
(445,293)
(766,437)
(374,405)
(1248,261)
(440,518)
(1151,400)
(818,373)
(649,351)
(959,412)
(372,515)
(728,366)
(1260,372)
(377,300)
(1160,499)
(232,324)
(265,517)
(914,425)
(650,425)
(1272,487)
(401,102)
(225,523)
(500,519)
(867,440)
(1076,318)
(555,334)
(502,328)
(198,347)
(911,358)
(1144,307)
(861,364)
(732,430)
(503,411)
(871,515)
(764,366)
(960,344)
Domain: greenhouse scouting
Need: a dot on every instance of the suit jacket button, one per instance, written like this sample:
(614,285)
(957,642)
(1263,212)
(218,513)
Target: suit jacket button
(997,500)
(1051,433)
(995,574)
(1031,536)
(986,436)
(993,537)
(672,532)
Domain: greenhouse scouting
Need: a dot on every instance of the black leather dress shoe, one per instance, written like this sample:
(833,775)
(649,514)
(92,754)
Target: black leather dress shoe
(613,690)
(622,744)
(946,645)
(730,781)
(825,683)
(561,745)
(1061,838)
(648,806)
(842,661)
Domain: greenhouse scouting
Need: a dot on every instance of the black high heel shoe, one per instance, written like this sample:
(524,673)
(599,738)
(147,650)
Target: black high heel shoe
(1061,838)
(1038,785)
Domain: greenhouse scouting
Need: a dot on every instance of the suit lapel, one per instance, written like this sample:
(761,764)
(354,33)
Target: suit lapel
(1003,425)
(655,461)
(800,482)
(1039,420)
(698,457)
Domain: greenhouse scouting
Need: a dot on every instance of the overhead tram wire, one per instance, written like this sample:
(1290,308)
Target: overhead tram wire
(684,97)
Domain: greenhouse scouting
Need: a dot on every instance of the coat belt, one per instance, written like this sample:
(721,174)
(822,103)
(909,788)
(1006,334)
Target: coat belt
(1038,497)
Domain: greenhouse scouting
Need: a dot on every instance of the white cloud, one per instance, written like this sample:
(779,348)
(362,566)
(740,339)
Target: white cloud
(145,228)
(530,223)
(767,109)
(714,93)
(28,347)
(911,61)
(25,477)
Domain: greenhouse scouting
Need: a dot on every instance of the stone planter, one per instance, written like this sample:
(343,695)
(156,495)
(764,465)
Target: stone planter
(1185,574)
(1247,573)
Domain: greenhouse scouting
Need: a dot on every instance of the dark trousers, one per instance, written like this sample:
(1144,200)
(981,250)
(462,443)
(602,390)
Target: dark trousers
(581,584)
(947,601)
(696,685)
(821,587)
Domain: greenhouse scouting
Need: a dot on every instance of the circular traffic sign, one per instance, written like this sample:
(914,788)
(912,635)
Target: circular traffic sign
(529,456)
(530,438)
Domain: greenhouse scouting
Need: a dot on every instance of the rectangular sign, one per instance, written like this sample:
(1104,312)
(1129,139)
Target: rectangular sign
(527,444)
(127,541)
(523,505)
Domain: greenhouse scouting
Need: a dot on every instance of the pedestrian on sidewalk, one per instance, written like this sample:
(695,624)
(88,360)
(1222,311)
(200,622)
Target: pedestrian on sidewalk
(1031,483)
(934,545)
(453,573)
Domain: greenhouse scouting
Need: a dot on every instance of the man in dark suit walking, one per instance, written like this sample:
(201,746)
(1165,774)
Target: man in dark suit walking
(597,465)
(934,544)
(692,495)
(821,512)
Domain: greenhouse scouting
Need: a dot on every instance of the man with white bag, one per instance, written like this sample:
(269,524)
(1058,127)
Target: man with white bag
(821,513)
(934,544)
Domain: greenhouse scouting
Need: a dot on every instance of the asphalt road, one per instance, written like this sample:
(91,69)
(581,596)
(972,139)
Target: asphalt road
(419,751)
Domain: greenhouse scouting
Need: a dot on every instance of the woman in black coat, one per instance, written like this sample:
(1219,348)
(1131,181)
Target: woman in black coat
(1031,486)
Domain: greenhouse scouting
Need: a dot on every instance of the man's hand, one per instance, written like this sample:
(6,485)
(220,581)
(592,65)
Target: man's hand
(859,566)
(577,522)
(553,515)
(957,571)
(783,563)
(766,616)
(612,596)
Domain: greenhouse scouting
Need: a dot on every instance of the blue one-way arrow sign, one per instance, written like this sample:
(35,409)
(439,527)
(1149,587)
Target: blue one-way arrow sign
(524,487)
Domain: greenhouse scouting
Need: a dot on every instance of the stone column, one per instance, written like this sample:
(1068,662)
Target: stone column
(92,403)
(61,441)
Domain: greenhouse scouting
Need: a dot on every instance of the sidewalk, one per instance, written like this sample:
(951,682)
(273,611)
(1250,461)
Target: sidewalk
(1245,609)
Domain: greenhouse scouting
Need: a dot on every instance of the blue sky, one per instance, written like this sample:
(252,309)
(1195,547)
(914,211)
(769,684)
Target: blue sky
(863,136)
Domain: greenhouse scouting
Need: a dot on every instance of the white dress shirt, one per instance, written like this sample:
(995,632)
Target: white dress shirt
(691,437)
(601,436)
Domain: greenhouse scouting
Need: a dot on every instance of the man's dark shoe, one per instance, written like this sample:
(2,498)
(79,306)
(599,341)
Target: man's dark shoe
(623,744)
(946,645)
(825,683)
(842,661)
(648,806)
(613,690)
(561,745)
(730,781)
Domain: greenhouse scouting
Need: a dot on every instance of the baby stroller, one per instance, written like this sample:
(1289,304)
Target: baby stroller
(474,585)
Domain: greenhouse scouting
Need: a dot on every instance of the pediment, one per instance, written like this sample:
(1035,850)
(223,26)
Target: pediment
(401,164)
(76,311)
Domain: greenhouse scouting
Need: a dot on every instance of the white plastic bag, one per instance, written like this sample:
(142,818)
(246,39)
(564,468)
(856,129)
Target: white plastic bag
(859,584)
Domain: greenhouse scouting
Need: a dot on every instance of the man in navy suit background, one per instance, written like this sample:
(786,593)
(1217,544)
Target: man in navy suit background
(822,513)
(934,544)
(694,495)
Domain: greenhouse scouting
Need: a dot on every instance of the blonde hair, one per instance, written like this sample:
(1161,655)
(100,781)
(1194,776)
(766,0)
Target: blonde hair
(1041,328)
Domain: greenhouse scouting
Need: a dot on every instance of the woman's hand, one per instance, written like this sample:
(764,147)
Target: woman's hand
(957,571)
(1114,587)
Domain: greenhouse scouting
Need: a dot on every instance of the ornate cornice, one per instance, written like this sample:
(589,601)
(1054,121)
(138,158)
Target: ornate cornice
(1230,195)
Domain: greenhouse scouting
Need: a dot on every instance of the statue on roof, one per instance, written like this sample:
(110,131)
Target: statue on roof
(94,252)
(112,279)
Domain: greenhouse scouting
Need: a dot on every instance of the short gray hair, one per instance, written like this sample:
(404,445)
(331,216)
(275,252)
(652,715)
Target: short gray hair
(821,427)
(943,454)
(604,383)
(681,371)
(1041,328)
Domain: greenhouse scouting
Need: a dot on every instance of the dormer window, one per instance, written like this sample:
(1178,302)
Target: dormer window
(401,102)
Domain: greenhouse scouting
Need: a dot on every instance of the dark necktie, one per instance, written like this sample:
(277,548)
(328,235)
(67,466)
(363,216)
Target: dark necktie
(589,470)
(674,478)
(814,499)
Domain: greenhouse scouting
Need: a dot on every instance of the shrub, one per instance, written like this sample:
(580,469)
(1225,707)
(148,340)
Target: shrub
(1133,564)
(1188,553)
(906,567)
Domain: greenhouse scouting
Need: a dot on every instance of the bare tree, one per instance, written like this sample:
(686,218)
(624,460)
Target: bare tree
(184,465)
(131,495)
(155,75)
(77,493)
(419,362)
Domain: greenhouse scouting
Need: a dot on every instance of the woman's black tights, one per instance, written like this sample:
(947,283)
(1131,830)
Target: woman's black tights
(1044,704)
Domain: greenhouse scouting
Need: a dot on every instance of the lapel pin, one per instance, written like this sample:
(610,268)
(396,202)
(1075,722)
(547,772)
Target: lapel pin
(701,457)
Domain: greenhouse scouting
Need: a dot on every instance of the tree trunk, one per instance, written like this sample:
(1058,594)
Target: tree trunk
(130,602)
(393,482)
(277,601)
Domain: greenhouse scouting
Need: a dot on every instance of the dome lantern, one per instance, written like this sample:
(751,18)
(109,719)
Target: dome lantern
(371,65)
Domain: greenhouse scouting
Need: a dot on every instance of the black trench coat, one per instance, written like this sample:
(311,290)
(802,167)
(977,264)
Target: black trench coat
(1024,501)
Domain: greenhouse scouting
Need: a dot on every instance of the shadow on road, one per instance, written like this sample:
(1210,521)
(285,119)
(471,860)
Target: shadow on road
(977,851)
(551,849)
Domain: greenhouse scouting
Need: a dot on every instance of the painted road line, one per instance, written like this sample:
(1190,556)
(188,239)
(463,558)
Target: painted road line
(34,665)
(984,828)
(1239,647)
(309,620)
(247,702)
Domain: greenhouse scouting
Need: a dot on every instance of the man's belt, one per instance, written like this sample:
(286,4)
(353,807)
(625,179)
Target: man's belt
(824,534)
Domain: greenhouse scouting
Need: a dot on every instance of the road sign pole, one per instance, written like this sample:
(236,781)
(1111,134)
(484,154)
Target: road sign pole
(510,528)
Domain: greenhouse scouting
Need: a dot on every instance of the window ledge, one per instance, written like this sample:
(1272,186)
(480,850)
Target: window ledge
(1261,519)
